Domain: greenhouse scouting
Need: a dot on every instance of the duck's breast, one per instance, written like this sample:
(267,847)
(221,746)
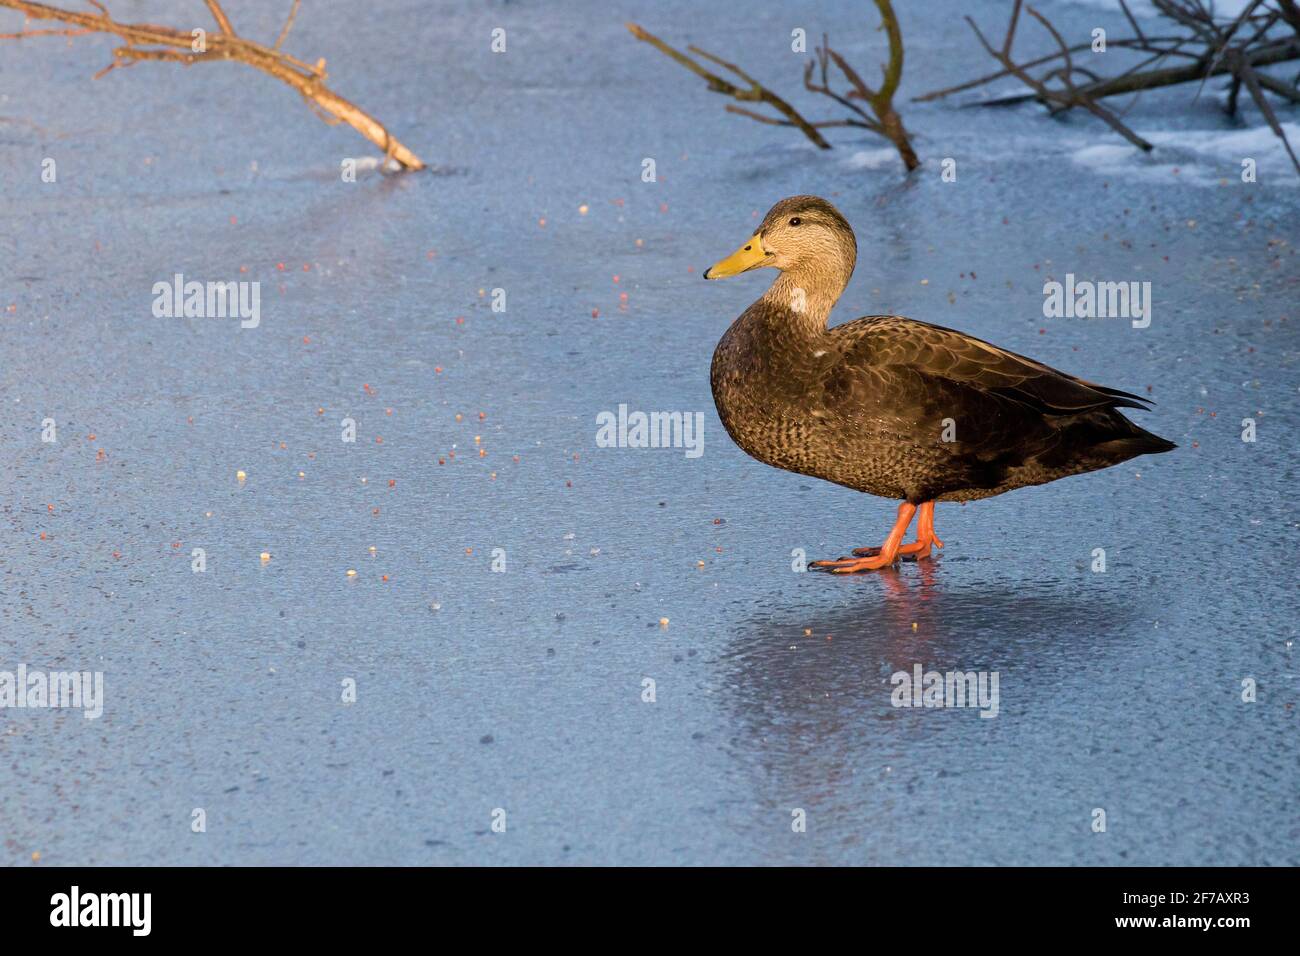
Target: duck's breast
(767,394)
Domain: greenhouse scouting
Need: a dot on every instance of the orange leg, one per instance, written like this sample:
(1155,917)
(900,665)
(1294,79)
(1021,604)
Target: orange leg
(885,555)
(925,537)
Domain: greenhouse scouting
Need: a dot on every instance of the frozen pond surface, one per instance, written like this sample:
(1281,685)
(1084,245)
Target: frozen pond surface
(522,690)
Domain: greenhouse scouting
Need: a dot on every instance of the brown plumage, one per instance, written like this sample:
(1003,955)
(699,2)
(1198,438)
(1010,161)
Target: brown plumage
(891,406)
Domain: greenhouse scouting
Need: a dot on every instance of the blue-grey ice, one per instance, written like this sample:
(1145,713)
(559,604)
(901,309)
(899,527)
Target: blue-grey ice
(490,702)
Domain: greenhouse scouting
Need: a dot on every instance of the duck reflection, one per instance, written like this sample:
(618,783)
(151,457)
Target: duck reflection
(809,690)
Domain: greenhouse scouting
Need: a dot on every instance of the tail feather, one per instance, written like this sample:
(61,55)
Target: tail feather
(1141,441)
(1123,399)
(1130,447)
(1102,438)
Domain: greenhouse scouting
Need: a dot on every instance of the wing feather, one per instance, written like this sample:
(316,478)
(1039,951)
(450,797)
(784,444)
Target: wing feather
(881,341)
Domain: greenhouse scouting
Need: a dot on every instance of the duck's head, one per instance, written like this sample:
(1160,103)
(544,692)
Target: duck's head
(803,234)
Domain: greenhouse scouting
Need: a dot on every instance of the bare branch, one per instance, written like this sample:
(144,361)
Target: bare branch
(147,41)
(886,121)
(1060,100)
(43,33)
(1128,14)
(756,93)
(1237,47)
(773,121)
(218,14)
(1223,47)
(1249,77)
(1124,43)
(824,54)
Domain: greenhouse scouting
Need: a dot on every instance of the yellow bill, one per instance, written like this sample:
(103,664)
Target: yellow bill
(749,256)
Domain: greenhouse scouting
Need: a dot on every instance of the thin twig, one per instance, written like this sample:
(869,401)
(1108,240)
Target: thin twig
(218,14)
(288,24)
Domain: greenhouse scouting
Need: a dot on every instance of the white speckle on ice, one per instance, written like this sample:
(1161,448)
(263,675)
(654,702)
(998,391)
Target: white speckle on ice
(368,163)
(872,158)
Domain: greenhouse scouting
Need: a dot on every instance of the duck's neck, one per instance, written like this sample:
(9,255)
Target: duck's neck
(804,297)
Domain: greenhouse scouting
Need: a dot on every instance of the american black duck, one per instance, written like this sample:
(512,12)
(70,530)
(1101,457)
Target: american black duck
(891,406)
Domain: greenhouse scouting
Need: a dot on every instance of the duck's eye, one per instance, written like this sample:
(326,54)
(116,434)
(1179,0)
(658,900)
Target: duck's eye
(795,221)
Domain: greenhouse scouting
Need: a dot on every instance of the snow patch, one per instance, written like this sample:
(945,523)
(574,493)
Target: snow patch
(1202,157)
(367,163)
(1223,9)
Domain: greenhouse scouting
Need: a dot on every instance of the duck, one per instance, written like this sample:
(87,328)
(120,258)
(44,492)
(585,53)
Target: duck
(891,406)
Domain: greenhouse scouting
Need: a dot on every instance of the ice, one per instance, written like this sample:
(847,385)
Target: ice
(377,306)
